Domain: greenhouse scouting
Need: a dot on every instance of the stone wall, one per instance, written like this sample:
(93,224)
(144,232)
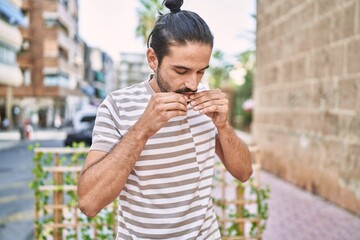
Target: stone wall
(307,95)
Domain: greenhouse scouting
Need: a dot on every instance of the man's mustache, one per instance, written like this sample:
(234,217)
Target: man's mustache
(185,90)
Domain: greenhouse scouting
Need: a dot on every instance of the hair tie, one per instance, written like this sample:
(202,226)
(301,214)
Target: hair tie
(175,10)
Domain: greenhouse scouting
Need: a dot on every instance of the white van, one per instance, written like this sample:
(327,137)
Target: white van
(84,118)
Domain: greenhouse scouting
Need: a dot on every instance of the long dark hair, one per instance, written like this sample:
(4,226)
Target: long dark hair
(178,27)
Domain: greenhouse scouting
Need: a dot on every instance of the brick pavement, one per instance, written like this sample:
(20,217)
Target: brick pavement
(295,214)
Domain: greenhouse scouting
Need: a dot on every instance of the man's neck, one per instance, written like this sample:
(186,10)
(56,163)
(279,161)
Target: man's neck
(153,83)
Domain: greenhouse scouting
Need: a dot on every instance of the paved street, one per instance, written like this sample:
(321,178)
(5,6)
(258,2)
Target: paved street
(298,215)
(294,213)
(16,199)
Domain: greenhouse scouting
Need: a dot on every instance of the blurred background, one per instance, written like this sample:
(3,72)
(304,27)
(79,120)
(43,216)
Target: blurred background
(291,69)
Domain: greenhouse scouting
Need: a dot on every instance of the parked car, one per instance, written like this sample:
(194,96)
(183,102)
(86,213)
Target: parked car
(82,135)
(82,127)
(84,117)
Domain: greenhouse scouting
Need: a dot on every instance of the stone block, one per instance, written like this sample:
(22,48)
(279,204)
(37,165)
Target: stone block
(297,97)
(307,14)
(272,75)
(322,31)
(303,40)
(350,166)
(349,127)
(353,56)
(330,124)
(325,62)
(325,6)
(337,59)
(344,23)
(299,68)
(358,16)
(318,64)
(335,153)
(349,94)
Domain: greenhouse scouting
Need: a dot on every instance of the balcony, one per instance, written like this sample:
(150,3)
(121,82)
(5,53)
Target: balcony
(50,6)
(25,33)
(25,5)
(10,35)
(24,59)
(56,11)
(65,18)
(10,75)
(65,42)
(66,67)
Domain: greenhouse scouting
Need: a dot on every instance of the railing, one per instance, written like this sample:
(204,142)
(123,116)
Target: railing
(56,171)
(241,208)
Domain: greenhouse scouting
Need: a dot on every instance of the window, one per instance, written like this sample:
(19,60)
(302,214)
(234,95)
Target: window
(63,53)
(57,79)
(64,2)
(7,54)
(27,76)
(25,45)
(50,22)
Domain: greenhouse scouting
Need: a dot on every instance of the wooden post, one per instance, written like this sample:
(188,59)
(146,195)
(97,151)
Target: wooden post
(115,209)
(36,213)
(223,196)
(76,210)
(58,200)
(240,207)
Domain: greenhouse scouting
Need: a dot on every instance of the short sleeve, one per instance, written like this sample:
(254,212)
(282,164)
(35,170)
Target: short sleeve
(106,133)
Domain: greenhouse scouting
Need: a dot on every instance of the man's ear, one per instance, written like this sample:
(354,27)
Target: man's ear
(152,59)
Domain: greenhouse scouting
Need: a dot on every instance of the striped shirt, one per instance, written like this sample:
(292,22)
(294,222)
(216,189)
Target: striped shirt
(168,193)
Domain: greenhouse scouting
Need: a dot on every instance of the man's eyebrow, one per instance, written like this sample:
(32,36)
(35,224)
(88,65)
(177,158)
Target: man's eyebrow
(186,68)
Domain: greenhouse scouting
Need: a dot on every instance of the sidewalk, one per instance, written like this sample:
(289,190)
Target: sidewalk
(295,214)
(9,139)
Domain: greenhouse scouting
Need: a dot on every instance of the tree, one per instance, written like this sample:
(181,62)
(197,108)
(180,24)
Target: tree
(147,14)
(219,70)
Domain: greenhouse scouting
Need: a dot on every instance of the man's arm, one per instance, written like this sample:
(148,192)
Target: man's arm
(105,174)
(232,151)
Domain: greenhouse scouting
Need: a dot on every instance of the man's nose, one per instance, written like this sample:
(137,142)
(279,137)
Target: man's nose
(192,83)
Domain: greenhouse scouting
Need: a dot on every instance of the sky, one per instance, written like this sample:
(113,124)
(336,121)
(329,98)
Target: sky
(110,24)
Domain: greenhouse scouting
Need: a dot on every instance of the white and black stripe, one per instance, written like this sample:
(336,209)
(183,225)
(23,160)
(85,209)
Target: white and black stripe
(168,193)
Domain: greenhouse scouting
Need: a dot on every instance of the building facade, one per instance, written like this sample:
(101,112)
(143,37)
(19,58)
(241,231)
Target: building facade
(10,73)
(307,95)
(51,60)
(132,68)
(100,75)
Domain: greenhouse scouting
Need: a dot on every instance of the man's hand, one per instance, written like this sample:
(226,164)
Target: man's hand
(161,108)
(213,103)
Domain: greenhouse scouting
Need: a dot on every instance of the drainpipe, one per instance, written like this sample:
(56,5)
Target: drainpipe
(8,106)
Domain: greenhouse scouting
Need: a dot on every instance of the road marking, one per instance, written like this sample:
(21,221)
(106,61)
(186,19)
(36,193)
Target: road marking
(14,185)
(12,198)
(17,217)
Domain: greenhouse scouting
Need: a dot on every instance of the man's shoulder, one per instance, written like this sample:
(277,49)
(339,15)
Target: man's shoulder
(130,92)
(133,90)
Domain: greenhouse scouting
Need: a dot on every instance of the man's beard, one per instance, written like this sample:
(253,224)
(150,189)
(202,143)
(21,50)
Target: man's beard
(165,87)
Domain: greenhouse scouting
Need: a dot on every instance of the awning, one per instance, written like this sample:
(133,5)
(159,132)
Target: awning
(10,35)
(10,75)
(13,13)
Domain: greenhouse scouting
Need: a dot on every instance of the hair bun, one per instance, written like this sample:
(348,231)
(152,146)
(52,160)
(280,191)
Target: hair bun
(173,5)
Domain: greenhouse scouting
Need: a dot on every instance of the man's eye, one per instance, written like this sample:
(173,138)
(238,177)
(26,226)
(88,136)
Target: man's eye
(181,73)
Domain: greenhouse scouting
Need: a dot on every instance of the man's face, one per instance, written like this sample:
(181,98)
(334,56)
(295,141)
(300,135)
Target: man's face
(182,69)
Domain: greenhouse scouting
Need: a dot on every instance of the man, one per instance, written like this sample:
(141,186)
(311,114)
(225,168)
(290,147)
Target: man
(154,143)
